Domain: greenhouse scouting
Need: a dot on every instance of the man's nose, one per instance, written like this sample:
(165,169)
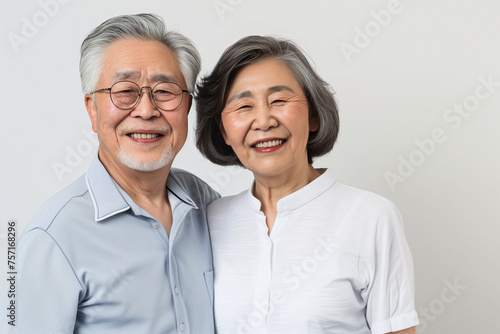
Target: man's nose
(146,108)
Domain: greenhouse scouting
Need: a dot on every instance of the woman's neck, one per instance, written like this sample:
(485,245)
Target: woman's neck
(269,190)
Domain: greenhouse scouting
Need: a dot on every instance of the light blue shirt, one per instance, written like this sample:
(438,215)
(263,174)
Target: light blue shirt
(92,261)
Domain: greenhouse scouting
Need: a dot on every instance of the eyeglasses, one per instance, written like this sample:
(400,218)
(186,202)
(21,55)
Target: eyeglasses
(126,95)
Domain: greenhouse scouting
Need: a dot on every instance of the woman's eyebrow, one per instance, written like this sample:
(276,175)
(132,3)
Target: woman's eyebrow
(240,95)
(280,88)
(270,90)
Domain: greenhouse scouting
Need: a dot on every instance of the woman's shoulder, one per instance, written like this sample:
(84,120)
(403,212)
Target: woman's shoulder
(333,190)
(362,200)
(228,204)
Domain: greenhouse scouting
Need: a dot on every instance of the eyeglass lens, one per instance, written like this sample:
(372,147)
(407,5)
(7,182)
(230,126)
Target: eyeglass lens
(166,95)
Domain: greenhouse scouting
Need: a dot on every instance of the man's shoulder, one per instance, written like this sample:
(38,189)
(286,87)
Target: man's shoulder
(57,203)
(195,187)
(188,179)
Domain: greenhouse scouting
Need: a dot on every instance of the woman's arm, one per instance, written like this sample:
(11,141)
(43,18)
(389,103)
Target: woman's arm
(411,330)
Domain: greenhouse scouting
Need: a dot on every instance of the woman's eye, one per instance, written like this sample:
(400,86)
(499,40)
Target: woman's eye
(244,107)
(278,102)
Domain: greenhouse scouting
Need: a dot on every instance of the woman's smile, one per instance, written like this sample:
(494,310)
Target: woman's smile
(266,120)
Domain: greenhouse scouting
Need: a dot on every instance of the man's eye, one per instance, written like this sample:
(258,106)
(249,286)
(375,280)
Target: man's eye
(126,91)
(164,92)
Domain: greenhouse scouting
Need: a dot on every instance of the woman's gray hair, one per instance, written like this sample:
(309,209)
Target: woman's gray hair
(140,27)
(213,89)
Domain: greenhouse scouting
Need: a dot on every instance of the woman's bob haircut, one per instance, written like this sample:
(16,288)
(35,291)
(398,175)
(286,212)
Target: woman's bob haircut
(212,92)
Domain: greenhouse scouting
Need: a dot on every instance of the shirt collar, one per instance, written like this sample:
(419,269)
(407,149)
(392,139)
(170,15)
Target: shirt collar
(110,199)
(174,185)
(103,190)
(300,197)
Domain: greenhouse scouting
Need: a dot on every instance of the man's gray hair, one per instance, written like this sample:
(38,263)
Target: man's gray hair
(140,27)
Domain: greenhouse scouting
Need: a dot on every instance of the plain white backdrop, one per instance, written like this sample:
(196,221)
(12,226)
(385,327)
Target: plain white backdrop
(417,82)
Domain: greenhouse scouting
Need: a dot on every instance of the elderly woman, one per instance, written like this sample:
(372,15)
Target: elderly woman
(298,252)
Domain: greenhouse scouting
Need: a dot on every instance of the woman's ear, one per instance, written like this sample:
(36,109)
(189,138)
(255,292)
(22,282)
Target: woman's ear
(313,123)
(223,131)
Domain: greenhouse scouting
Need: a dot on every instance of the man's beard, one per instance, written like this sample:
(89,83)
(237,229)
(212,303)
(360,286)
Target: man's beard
(147,166)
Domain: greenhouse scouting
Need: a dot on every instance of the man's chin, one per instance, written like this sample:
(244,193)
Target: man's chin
(142,165)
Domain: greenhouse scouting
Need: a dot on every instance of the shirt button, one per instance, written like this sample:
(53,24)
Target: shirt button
(176,289)
(156,225)
(182,327)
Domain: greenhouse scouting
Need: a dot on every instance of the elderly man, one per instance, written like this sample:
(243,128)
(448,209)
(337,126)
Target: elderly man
(125,248)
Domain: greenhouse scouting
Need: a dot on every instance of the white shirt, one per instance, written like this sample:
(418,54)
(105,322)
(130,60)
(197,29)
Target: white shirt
(336,261)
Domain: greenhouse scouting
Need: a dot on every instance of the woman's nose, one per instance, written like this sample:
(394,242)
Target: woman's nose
(264,118)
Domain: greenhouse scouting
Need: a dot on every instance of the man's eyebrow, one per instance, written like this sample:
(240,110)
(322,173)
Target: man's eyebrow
(126,75)
(160,77)
(156,77)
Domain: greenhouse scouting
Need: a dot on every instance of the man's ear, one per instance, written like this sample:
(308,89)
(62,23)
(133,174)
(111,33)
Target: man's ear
(190,103)
(91,110)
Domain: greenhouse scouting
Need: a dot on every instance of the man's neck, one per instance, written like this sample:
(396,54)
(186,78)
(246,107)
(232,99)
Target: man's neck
(147,189)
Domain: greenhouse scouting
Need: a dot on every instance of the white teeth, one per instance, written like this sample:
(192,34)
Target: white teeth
(144,135)
(270,143)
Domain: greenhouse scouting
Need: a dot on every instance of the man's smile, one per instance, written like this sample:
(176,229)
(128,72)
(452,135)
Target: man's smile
(144,135)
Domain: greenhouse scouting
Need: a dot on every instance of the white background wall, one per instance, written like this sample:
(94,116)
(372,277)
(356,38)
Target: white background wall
(419,120)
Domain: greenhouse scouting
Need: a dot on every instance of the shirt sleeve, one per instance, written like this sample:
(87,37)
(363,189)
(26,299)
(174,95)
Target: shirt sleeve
(47,290)
(390,303)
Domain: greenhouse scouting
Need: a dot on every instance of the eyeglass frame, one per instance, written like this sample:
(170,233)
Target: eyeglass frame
(151,94)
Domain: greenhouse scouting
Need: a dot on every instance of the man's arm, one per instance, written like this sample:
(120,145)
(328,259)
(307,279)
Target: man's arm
(47,290)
